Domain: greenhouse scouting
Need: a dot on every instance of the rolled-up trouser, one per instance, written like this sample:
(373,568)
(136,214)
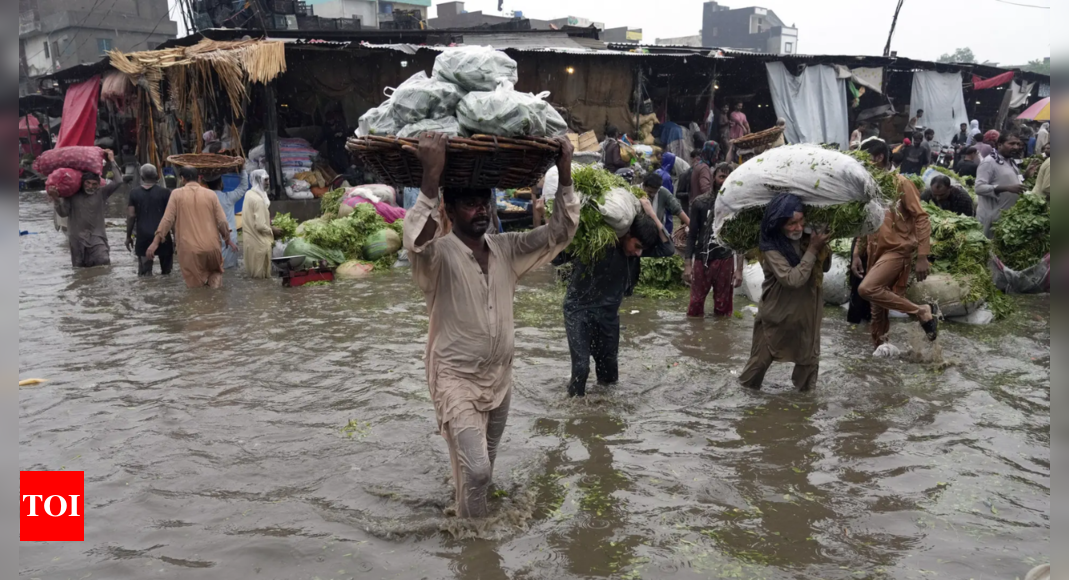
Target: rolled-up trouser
(473,438)
(884,287)
(594,332)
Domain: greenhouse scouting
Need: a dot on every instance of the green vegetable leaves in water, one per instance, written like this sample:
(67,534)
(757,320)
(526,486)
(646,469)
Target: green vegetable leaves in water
(1022,234)
(661,277)
(287,224)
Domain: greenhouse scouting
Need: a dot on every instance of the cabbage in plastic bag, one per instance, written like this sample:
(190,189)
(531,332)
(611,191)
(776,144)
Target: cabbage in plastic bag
(448,125)
(475,68)
(507,113)
(420,98)
(378,121)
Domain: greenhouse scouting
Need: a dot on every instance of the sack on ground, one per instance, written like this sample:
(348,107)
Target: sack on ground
(947,292)
(354,270)
(86,159)
(753,280)
(314,253)
(508,113)
(382,243)
(475,68)
(64,182)
(837,282)
(421,98)
(620,209)
(378,121)
(447,125)
(1034,280)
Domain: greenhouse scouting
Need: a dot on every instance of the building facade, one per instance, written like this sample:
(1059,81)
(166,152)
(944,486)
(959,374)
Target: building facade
(752,29)
(371,13)
(56,34)
(693,41)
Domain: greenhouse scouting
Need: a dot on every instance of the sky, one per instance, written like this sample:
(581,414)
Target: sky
(997,32)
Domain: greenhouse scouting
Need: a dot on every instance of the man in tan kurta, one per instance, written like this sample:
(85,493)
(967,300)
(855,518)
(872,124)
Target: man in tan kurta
(469,279)
(906,232)
(789,318)
(200,226)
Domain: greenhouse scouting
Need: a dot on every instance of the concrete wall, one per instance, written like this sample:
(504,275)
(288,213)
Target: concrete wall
(744,28)
(366,10)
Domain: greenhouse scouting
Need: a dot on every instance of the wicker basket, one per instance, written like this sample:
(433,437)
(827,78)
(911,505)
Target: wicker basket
(482,161)
(761,139)
(209,165)
(679,239)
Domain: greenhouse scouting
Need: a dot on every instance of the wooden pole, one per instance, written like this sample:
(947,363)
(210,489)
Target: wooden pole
(638,100)
(274,158)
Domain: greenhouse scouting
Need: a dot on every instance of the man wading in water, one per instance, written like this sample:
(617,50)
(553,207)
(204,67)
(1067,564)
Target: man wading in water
(469,279)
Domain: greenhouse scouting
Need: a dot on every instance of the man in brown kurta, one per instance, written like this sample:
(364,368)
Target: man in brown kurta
(200,226)
(788,322)
(906,232)
(469,280)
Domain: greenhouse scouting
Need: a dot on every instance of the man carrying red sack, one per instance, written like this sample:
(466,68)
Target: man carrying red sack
(85,211)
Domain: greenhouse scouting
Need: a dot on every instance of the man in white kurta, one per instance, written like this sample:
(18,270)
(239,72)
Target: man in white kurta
(469,279)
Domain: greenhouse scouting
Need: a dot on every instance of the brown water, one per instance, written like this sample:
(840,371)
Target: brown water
(257,432)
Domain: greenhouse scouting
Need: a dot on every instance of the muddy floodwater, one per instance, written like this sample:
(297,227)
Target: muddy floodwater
(260,432)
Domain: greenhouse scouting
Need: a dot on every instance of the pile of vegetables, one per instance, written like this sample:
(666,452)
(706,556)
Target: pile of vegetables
(968,183)
(594,237)
(1022,234)
(287,224)
(661,278)
(842,221)
(960,249)
(343,237)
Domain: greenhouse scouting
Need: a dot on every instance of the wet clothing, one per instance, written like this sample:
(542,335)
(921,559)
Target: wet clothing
(199,225)
(228,200)
(149,205)
(957,202)
(788,322)
(473,439)
(995,171)
(701,243)
(256,228)
(713,267)
(592,311)
(470,342)
(904,234)
(86,229)
(165,254)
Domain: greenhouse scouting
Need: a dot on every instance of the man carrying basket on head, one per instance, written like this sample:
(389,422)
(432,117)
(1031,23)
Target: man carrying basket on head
(469,279)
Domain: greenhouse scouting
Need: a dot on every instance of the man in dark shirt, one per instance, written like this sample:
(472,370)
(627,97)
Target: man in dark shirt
(969,163)
(945,195)
(148,202)
(926,145)
(709,266)
(914,161)
(595,293)
(613,161)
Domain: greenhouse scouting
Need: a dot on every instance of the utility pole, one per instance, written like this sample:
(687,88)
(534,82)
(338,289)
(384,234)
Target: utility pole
(894,24)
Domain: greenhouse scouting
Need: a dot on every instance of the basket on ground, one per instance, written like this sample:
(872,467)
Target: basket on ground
(759,139)
(482,161)
(210,165)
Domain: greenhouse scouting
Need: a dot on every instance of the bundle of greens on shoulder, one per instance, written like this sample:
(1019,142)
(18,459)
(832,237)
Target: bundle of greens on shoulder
(960,249)
(594,237)
(1022,234)
(743,232)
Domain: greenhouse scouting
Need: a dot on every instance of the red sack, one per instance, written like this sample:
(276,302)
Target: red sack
(89,159)
(64,182)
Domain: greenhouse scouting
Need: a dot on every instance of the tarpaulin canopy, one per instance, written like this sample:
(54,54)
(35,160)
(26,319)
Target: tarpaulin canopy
(1037,112)
(941,98)
(814,104)
(80,114)
(979,83)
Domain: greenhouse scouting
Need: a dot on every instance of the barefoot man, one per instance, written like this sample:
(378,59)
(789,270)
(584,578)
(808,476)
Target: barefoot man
(469,279)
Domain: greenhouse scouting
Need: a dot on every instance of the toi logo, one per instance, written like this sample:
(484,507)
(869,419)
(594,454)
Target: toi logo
(52,506)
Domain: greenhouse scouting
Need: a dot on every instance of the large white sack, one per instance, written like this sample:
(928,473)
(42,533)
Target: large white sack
(819,176)
(475,68)
(753,279)
(980,317)
(837,282)
(620,209)
(945,291)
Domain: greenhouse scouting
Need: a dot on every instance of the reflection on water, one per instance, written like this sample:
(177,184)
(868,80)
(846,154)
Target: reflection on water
(258,432)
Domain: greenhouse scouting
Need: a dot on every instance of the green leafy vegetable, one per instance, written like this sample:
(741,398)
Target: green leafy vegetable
(661,277)
(743,232)
(594,237)
(331,202)
(1022,234)
(287,224)
(347,235)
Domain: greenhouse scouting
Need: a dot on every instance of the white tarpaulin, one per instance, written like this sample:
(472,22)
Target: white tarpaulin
(941,98)
(1022,91)
(814,104)
(871,78)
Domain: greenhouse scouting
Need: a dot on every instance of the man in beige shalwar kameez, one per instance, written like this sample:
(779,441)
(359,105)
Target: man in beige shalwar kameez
(469,279)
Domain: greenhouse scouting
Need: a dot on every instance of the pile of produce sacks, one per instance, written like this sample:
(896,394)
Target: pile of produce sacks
(846,194)
(64,167)
(470,91)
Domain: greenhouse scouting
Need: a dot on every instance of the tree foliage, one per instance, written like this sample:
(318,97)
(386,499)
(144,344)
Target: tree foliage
(959,55)
(1037,66)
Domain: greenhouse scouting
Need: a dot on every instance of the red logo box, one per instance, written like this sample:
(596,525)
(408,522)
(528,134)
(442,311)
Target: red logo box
(52,506)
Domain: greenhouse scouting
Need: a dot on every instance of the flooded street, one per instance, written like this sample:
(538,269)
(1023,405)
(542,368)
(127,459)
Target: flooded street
(260,432)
